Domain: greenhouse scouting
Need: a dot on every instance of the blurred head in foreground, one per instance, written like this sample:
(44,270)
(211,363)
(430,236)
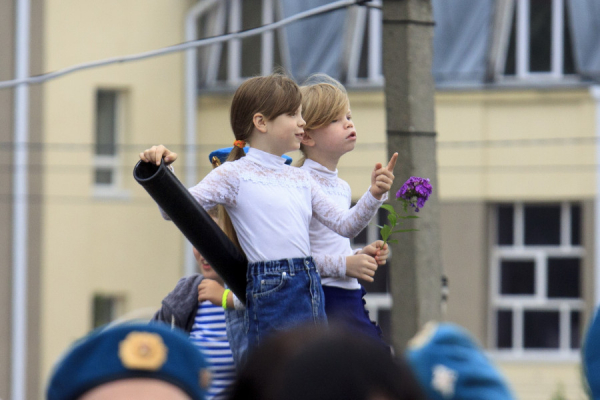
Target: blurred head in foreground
(450,365)
(130,361)
(591,357)
(312,363)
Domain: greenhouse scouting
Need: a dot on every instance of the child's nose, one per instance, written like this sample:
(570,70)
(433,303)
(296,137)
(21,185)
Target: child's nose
(301,122)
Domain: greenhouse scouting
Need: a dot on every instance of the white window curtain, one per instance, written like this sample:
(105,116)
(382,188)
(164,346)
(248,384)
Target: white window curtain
(315,44)
(461,37)
(585,25)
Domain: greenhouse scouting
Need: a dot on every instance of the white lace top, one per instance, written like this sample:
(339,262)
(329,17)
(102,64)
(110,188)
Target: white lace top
(271,205)
(329,249)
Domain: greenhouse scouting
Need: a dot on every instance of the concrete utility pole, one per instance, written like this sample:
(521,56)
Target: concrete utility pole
(409,91)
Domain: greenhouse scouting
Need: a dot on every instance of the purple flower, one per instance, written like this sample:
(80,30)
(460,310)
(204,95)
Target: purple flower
(415,192)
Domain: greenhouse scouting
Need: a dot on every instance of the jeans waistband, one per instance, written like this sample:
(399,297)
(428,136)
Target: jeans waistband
(289,265)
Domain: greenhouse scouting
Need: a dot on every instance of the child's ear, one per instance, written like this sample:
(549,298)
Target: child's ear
(260,122)
(307,139)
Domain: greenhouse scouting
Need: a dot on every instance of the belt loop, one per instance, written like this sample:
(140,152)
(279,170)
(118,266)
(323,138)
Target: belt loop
(291,266)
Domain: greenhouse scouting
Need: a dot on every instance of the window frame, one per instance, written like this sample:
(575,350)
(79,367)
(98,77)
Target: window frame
(116,303)
(110,162)
(522,45)
(358,19)
(539,301)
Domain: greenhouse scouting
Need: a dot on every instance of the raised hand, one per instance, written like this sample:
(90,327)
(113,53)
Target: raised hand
(155,153)
(382,178)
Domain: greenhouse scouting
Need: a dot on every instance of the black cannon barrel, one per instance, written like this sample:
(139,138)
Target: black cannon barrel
(195,224)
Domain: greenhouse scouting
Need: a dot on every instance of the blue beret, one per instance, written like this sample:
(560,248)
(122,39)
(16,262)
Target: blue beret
(591,356)
(135,350)
(222,155)
(449,365)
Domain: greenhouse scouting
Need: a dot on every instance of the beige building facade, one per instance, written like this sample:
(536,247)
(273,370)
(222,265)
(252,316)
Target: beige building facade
(99,250)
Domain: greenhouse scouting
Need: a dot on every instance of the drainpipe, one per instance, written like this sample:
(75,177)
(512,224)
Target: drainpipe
(20,192)
(191,105)
(595,92)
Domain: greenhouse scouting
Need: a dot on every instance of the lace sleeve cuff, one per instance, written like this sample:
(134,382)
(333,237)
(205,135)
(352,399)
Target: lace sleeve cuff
(330,266)
(372,198)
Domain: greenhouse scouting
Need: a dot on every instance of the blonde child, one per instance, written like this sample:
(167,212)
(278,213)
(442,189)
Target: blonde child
(271,205)
(329,134)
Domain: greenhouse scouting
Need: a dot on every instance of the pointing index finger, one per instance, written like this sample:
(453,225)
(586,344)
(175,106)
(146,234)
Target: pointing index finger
(392,162)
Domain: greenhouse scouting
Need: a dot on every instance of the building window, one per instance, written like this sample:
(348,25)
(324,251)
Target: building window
(536,289)
(228,64)
(106,308)
(539,40)
(363,62)
(109,122)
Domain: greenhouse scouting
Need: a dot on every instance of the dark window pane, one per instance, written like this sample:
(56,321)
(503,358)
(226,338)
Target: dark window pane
(575,329)
(517,277)
(382,219)
(564,277)
(363,64)
(381,282)
(103,176)
(251,46)
(106,122)
(223,63)
(505,224)
(540,35)
(103,310)
(385,323)
(504,329)
(541,330)
(568,60)
(542,225)
(510,65)
(576,225)
(361,239)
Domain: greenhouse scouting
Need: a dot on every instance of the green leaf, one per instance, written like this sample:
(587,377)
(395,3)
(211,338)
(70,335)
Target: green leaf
(393,241)
(386,231)
(388,207)
(392,218)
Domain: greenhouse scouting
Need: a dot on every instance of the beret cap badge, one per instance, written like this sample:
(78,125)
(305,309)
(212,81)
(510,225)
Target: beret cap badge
(143,351)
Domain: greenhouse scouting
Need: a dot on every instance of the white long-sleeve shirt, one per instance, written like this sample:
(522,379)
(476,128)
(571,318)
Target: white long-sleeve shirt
(272,204)
(329,250)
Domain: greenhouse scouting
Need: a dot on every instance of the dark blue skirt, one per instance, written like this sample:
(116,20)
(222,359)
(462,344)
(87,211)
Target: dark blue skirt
(347,308)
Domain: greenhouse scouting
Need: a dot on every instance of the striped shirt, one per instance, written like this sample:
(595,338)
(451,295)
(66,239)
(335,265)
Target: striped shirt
(210,336)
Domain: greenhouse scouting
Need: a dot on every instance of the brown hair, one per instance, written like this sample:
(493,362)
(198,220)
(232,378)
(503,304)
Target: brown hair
(323,99)
(271,96)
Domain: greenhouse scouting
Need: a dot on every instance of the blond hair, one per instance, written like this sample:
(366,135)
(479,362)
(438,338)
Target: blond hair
(271,96)
(323,100)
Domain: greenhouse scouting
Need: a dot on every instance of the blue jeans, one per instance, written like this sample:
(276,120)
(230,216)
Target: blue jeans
(281,294)
(237,335)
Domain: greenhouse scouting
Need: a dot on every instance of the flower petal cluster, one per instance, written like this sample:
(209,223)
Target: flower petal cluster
(415,191)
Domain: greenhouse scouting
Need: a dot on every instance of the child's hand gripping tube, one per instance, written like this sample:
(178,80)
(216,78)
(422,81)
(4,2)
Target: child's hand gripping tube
(195,224)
